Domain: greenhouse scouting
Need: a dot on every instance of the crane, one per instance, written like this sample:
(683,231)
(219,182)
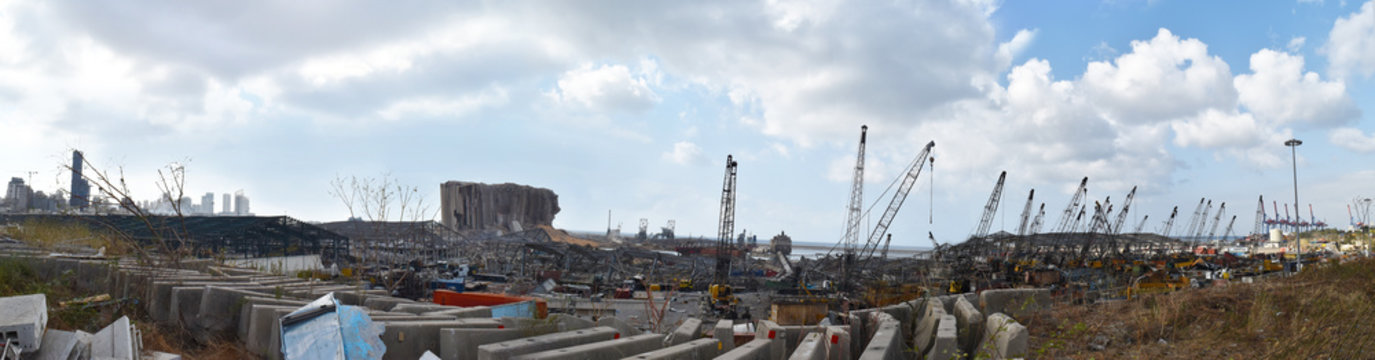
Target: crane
(721,297)
(1026,212)
(913,171)
(726,226)
(1227,233)
(1169,223)
(1217,220)
(1193,220)
(1122,216)
(991,208)
(852,218)
(1260,216)
(1068,218)
(1203,221)
(1038,221)
(1141,224)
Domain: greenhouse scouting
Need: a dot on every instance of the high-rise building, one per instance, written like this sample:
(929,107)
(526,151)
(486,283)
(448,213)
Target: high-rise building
(241,204)
(208,204)
(227,210)
(17,195)
(81,190)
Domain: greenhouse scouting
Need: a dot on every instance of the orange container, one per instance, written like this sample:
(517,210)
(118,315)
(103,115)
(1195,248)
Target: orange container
(468,299)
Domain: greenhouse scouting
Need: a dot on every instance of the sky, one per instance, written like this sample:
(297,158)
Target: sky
(632,106)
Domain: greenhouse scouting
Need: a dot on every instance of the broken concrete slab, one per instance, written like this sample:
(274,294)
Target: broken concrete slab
(119,340)
(57,345)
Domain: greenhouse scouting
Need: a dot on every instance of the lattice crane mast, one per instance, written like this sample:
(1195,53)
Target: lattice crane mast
(1169,223)
(1068,219)
(726,226)
(991,208)
(913,171)
(1260,216)
(852,218)
(1141,224)
(1038,221)
(1122,216)
(1026,213)
(1217,220)
(1203,221)
(1227,233)
(1193,220)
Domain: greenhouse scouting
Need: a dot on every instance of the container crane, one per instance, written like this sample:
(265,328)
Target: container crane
(1026,212)
(991,208)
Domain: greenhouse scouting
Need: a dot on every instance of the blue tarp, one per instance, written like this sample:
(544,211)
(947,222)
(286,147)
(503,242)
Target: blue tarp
(523,309)
(342,333)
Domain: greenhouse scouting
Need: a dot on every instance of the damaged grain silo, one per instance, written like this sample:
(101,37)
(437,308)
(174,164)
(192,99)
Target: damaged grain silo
(497,207)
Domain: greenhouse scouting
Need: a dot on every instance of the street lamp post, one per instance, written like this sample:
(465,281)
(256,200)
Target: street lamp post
(1293,145)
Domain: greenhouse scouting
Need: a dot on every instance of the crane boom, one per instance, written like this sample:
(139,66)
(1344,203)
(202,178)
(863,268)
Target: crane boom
(1141,224)
(726,226)
(913,171)
(1122,216)
(1260,216)
(852,218)
(1026,213)
(1227,233)
(1169,223)
(1203,221)
(1068,218)
(1040,220)
(1193,220)
(991,208)
(1216,221)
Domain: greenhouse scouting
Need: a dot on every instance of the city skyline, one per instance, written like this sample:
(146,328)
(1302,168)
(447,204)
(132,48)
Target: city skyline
(634,111)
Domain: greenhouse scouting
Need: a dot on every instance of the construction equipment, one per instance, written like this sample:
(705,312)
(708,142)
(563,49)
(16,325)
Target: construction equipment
(722,300)
(1122,216)
(1068,218)
(1026,213)
(1169,223)
(1038,221)
(1193,220)
(1216,220)
(913,171)
(1260,216)
(1227,233)
(853,212)
(991,208)
(1141,224)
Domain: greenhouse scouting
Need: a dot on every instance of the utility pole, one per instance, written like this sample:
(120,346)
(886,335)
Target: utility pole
(1293,145)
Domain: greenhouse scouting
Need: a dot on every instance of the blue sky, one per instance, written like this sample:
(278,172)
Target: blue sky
(632,106)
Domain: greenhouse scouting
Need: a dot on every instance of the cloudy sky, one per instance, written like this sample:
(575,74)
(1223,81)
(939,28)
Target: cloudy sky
(632,106)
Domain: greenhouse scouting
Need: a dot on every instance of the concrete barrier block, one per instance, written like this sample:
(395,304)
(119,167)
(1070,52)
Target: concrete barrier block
(408,339)
(946,344)
(418,308)
(262,319)
(757,349)
(684,333)
(926,328)
(463,312)
(793,335)
(246,311)
(838,343)
(457,344)
(218,316)
(1016,303)
(624,327)
(185,305)
(384,303)
(969,325)
(887,342)
(766,329)
(1004,338)
(613,349)
(699,349)
(812,347)
(724,332)
(508,349)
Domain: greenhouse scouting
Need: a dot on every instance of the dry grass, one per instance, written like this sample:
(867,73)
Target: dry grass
(1325,312)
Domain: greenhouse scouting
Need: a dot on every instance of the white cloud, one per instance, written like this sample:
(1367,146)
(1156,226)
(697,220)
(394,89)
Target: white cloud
(1296,43)
(1161,79)
(1350,47)
(1353,139)
(1009,50)
(1216,129)
(1280,92)
(684,153)
(607,88)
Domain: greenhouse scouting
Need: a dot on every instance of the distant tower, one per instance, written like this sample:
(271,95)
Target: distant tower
(240,204)
(208,204)
(17,195)
(81,190)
